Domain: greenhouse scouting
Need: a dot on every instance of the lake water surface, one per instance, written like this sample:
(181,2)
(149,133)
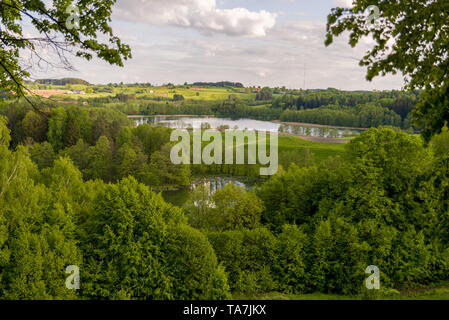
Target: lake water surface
(185,122)
(212,184)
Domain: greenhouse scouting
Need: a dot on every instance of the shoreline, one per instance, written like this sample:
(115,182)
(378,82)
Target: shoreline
(170,115)
(308,138)
(319,125)
(273,121)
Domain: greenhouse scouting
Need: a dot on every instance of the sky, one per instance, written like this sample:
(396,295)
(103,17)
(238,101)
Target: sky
(256,42)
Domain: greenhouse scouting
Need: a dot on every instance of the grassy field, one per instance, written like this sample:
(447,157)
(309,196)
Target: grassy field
(294,144)
(208,94)
(432,294)
(320,150)
(190,93)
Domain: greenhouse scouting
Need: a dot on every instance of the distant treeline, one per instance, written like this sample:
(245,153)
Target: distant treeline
(190,107)
(221,84)
(363,116)
(62,82)
(351,109)
(346,109)
(237,109)
(400,102)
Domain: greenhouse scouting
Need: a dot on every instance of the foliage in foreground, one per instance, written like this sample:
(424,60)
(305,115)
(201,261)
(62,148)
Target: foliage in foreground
(310,229)
(127,242)
(384,203)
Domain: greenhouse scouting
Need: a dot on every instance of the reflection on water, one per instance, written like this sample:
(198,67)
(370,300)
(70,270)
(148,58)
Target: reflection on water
(178,122)
(212,184)
(214,123)
(322,131)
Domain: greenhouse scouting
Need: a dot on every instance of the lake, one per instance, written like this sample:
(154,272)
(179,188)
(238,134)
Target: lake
(212,184)
(186,122)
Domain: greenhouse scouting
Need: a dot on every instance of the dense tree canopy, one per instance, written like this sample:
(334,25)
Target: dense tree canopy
(313,227)
(136,246)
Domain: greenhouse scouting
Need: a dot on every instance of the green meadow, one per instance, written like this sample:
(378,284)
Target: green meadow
(150,92)
(320,150)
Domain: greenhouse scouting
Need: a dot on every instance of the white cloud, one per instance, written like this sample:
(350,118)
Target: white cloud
(199,14)
(163,54)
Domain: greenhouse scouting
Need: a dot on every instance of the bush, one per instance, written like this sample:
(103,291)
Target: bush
(192,266)
(135,244)
(247,257)
(290,267)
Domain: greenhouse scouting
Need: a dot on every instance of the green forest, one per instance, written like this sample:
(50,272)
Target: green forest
(77,190)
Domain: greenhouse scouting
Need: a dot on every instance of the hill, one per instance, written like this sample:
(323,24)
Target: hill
(221,84)
(63,81)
